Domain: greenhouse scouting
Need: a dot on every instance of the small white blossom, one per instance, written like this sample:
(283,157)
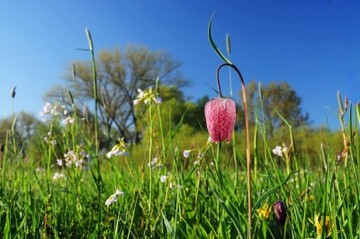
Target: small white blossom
(186,153)
(116,151)
(77,159)
(172,186)
(136,102)
(147,97)
(46,109)
(281,151)
(59,162)
(40,170)
(141,94)
(163,178)
(113,198)
(278,151)
(158,100)
(50,140)
(57,176)
(68,120)
(153,162)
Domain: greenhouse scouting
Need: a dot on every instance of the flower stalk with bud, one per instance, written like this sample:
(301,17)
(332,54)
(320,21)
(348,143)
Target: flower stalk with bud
(247,133)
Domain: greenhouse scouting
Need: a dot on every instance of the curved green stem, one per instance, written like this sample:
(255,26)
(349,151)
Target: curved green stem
(247,133)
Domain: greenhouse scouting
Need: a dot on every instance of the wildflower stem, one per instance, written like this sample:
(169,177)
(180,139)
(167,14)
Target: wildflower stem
(217,160)
(98,178)
(150,157)
(247,133)
(91,48)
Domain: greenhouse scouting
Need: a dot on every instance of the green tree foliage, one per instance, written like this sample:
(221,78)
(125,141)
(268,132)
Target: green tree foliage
(269,103)
(18,128)
(120,75)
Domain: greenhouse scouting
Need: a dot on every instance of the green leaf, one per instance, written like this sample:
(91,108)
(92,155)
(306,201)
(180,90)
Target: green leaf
(271,191)
(213,45)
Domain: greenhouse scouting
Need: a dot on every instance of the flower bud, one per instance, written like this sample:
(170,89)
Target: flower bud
(220,115)
(280,212)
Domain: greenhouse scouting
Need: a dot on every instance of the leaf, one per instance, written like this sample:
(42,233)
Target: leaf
(167,224)
(271,191)
(213,45)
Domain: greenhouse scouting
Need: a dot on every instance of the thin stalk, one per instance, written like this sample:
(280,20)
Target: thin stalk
(93,62)
(150,157)
(160,120)
(247,133)
(218,171)
(98,178)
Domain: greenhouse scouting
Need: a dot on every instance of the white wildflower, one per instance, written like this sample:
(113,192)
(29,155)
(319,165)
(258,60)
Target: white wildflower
(116,151)
(113,198)
(46,109)
(77,159)
(158,100)
(136,102)
(153,162)
(57,176)
(68,120)
(163,178)
(60,162)
(186,153)
(278,151)
(141,94)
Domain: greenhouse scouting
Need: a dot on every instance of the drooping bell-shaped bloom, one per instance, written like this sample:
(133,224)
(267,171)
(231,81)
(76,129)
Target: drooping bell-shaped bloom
(280,212)
(220,115)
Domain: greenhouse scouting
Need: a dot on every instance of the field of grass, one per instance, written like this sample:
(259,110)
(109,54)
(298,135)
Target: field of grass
(174,186)
(160,189)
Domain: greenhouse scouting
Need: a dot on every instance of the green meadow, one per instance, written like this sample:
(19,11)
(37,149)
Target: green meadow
(175,182)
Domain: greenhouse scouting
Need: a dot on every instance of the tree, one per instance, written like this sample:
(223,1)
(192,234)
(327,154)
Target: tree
(276,99)
(18,128)
(119,76)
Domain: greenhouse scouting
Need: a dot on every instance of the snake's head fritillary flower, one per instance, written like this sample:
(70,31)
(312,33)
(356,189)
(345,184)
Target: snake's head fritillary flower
(220,115)
(280,212)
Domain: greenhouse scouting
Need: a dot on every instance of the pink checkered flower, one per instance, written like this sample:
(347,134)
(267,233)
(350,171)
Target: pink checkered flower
(220,115)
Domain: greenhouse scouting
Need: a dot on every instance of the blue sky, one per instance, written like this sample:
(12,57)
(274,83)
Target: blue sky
(314,45)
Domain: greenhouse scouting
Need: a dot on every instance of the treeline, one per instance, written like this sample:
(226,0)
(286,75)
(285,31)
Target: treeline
(275,110)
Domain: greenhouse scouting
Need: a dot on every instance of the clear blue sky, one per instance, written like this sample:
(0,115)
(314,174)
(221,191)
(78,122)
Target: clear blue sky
(314,45)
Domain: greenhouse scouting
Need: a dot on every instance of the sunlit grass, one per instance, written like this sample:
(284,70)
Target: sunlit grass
(157,190)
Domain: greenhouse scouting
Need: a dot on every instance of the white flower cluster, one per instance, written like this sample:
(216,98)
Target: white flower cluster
(170,180)
(155,163)
(74,159)
(58,176)
(280,151)
(56,110)
(148,97)
(50,139)
(118,149)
